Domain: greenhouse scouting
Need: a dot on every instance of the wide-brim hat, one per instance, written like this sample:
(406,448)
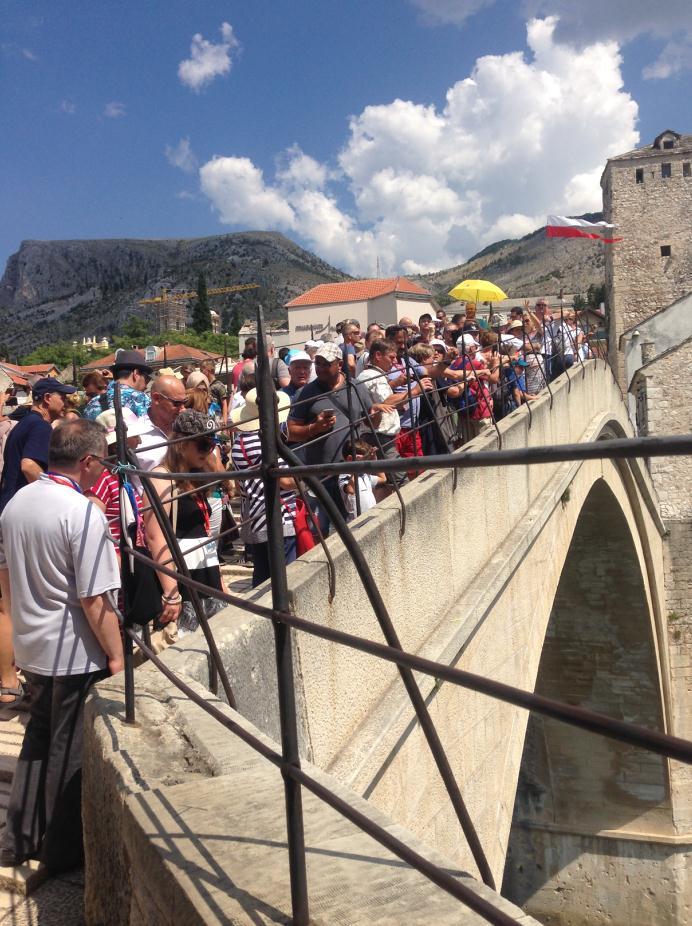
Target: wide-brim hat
(134,425)
(131,360)
(246,418)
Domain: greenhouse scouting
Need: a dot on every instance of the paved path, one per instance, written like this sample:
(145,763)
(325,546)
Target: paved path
(57,902)
(25,898)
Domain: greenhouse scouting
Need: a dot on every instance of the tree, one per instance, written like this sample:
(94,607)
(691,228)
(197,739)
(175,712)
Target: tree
(234,323)
(136,329)
(201,314)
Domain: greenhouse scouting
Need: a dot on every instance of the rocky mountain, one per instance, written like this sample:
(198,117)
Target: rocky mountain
(530,266)
(54,290)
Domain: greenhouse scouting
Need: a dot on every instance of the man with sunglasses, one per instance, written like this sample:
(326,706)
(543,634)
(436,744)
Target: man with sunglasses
(132,372)
(168,399)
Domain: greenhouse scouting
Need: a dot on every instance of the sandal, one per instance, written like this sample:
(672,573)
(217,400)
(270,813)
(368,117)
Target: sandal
(20,701)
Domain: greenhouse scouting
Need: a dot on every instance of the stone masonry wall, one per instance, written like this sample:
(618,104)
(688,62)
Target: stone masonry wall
(649,214)
(669,411)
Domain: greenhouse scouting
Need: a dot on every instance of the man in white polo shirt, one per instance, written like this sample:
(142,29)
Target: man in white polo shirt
(56,566)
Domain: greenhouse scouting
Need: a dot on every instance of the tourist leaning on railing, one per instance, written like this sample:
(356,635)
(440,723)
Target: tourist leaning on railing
(190,514)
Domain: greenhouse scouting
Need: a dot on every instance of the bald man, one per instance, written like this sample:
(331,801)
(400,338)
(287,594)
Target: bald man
(167,401)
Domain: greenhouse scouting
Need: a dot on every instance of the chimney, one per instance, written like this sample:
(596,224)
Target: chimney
(648,349)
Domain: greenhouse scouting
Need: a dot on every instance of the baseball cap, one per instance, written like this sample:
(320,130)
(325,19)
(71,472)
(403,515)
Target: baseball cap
(47,384)
(195,379)
(514,325)
(314,344)
(133,425)
(299,355)
(467,340)
(329,352)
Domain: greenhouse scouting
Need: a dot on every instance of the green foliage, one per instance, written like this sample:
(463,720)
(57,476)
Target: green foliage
(62,353)
(595,295)
(214,343)
(201,314)
(136,329)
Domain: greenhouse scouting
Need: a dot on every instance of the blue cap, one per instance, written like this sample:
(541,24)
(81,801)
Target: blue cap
(43,386)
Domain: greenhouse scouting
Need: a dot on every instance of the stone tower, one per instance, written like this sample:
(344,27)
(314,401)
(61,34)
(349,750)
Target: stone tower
(647,193)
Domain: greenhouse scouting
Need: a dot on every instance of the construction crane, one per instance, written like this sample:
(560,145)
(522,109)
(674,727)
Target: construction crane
(167,298)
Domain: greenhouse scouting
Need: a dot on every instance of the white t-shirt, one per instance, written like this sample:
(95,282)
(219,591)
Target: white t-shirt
(377,384)
(55,544)
(366,483)
(151,459)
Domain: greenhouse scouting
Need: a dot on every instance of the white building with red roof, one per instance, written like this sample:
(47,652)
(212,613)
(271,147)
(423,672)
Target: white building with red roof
(316,312)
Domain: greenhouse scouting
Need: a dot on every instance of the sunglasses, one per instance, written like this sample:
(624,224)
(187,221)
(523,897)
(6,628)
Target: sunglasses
(178,403)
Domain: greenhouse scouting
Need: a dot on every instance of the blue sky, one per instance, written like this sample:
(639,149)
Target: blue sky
(413,131)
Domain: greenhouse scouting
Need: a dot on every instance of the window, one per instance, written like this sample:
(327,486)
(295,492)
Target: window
(639,175)
(686,169)
(665,250)
(665,171)
(668,143)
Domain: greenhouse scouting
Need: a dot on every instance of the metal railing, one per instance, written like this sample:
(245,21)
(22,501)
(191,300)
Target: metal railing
(278,460)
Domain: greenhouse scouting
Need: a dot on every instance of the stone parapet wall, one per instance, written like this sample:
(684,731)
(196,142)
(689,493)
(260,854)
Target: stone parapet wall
(185,824)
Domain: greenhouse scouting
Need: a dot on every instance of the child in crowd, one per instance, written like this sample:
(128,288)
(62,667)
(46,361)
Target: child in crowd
(359,450)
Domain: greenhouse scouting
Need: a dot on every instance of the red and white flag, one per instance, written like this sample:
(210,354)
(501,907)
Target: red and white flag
(560,226)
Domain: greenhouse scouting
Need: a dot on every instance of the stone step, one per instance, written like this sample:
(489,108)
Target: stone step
(24,878)
(7,764)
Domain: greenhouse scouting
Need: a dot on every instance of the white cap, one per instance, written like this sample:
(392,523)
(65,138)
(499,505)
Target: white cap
(299,355)
(467,340)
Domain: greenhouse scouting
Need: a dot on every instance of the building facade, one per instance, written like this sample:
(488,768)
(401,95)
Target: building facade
(647,194)
(315,313)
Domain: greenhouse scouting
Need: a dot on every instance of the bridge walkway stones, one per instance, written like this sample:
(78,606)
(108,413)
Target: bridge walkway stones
(26,898)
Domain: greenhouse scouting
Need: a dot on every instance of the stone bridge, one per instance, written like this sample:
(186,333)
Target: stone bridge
(547,577)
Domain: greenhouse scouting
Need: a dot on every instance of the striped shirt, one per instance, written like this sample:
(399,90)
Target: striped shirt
(247,453)
(107,490)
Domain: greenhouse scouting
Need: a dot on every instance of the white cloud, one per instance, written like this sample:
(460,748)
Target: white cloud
(450,11)
(586,21)
(67,107)
(675,57)
(421,187)
(182,156)
(29,54)
(208,60)
(114,110)
(237,189)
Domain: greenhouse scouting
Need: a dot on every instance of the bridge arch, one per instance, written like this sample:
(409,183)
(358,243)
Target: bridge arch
(600,652)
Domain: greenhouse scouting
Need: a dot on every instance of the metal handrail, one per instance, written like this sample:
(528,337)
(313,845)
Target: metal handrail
(289,761)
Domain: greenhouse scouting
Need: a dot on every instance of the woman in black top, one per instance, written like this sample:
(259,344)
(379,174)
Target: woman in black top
(190,514)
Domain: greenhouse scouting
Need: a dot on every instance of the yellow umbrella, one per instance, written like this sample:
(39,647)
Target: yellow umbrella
(477,291)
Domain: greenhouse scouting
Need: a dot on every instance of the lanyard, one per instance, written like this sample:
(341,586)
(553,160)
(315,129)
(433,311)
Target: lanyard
(61,480)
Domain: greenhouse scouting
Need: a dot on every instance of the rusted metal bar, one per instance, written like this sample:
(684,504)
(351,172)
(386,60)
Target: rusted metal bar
(269,438)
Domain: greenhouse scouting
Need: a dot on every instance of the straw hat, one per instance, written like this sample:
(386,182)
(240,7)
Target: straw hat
(246,418)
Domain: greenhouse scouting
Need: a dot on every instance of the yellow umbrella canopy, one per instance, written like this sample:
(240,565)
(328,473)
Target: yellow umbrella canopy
(477,291)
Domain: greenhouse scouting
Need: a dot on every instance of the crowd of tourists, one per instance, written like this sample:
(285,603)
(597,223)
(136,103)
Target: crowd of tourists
(67,523)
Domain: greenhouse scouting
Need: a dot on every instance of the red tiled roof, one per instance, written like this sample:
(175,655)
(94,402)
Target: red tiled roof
(37,368)
(175,353)
(356,291)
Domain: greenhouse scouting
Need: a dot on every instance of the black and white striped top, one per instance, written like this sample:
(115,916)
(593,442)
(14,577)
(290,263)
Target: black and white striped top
(246,453)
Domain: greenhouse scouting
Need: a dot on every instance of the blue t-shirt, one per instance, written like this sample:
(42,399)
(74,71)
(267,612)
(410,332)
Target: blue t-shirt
(513,379)
(409,411)
(136,401)
(347,350)
(29,439)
